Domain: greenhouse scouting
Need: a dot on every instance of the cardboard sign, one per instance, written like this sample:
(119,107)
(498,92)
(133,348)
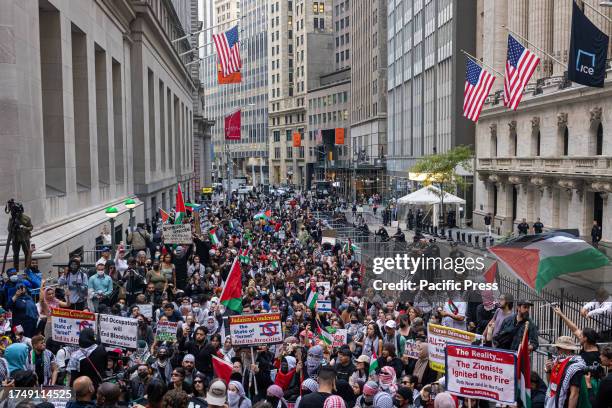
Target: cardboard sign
(177,234)
(146,310)
(482,373)
(438,336)
(118,331)
(256,329)
(324,306)
(66,325)
(340,338)
(411,350)
(166,331)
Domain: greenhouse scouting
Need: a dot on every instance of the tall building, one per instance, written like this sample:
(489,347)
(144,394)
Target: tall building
(550,158)
(300,42)
(328,111)
(426,81)
(368,36)
(101,105)
(248,156)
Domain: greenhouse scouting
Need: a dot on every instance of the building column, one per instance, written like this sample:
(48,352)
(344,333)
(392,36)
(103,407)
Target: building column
(547,207)
(541,33)
(561,30)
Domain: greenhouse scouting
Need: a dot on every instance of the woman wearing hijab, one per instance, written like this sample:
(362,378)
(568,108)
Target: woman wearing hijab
(274,395)
(212,326)
(90,360)
(227,350)
(420,367)
(16,356)
(236,397)
(46,304)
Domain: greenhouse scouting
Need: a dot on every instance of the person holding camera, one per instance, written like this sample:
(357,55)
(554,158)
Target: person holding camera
(25,312)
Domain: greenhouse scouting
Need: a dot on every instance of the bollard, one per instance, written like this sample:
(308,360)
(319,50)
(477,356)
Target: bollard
(458,234)
(450,235)
(435,230)
(469,236)
(463,237)
(477,241)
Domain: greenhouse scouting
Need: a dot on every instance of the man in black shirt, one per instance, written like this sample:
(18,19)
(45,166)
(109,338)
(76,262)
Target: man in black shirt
(327,385)
(523,227)
(344,366)
(538,227)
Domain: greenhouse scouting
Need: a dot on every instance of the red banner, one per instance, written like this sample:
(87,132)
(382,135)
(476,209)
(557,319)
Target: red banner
(297,139)
(339,136)
(232,126)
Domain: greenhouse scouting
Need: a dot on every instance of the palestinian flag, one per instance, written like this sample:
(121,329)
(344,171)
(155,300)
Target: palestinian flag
(164,216)
(222,369)
(311,302)
(523,372)
(244,256)
(261,216)
(538,259)
(348,247)
(231,296)
(212,235)
(373,363)
(326,335)
(180,206)
(490,273)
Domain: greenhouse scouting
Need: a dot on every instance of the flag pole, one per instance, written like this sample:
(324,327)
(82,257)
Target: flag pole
(598,12)
(476,60)
(534,46)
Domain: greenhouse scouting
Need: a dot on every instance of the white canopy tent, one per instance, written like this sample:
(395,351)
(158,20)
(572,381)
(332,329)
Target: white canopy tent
(426,196)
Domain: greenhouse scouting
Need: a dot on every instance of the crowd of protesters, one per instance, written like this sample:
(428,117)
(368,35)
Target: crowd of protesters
(285,259)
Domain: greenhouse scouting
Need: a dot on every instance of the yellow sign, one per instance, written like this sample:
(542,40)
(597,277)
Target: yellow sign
(207,190)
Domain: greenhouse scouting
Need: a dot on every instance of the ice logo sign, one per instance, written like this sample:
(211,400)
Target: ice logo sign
(585,57)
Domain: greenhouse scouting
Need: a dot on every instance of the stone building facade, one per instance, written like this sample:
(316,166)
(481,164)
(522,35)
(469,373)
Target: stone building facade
(96,106)
(551,159)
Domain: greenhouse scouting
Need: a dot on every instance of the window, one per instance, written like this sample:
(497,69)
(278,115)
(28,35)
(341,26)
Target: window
(290,3)
(599,141)
(277,152)
(337,41)
(316,23)
(347,53)
(341,24)
(301,152)
(321,8)
(315,7)
(290,49)
(289,152)
(290,34)
(277,135)
(566,142)
(337,26)
(337,10)
(288,133)
(322,23)
(347,21)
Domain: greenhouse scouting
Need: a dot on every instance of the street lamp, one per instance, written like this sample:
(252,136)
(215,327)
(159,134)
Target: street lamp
(130,204)
(111,213)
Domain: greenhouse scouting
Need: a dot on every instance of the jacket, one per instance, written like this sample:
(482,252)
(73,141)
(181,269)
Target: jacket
(511,332)
(138,239)
(25,313)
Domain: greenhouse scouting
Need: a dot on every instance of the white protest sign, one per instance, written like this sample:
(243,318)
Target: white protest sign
(177,234)
(66,325)
(324,288)
(118,331)
(328,240)
(481,373)
(256,329)
(146,310)
(340,338)
(166,331)
(411,350)
(438,336)
(324,306)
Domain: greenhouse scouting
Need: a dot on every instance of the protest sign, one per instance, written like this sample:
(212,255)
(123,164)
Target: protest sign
(324,288)
(438,336)
(256,329)
(328,240)
(146,310)
(324,306)
(482,373)
(166,331)
(177,233)
(66,325)
(118,331)
(340,338)
(411,349)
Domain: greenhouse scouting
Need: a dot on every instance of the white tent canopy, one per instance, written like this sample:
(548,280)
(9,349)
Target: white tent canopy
(429,195)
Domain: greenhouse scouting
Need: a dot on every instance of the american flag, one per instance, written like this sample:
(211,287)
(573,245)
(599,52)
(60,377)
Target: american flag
(478,83)
(228,51)
(520,65)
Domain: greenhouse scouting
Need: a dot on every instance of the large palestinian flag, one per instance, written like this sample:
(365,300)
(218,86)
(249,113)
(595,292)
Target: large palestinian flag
(538,259)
